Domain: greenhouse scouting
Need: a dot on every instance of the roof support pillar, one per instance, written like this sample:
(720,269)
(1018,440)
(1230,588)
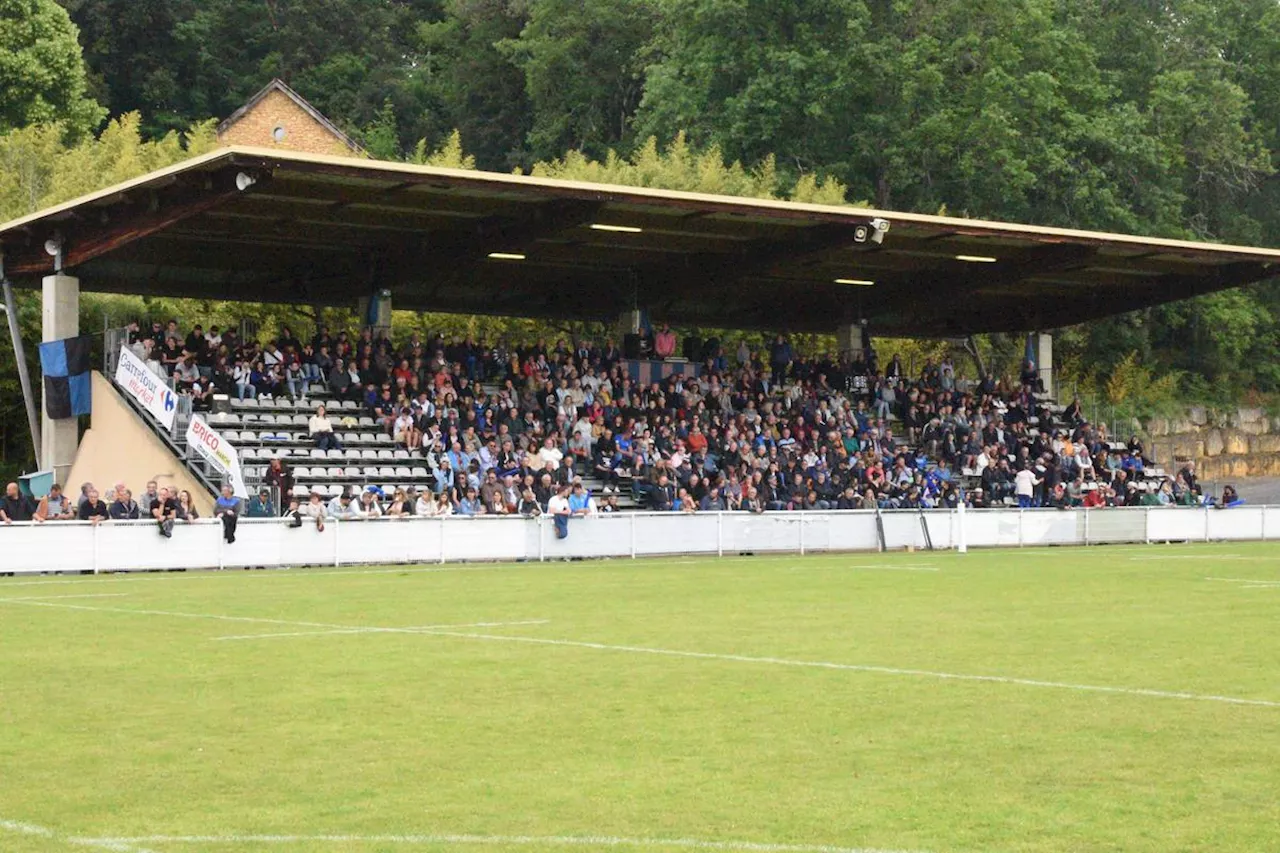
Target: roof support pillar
(852,339)
(59,439)
(1040,352)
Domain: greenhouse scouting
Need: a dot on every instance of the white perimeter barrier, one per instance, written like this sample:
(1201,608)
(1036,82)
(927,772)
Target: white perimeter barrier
(123,546)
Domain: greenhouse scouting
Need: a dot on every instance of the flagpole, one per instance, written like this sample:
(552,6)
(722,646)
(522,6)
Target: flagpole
(20,355)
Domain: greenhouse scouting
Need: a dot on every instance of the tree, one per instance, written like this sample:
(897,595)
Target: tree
(42,73)
(482,94)
(583,71)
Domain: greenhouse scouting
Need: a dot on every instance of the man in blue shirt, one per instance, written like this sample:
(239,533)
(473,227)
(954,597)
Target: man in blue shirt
(227,507)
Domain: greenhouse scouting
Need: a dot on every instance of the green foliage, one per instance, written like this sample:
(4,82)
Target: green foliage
(448,156)
(48,172)
(680,166)
(42,74)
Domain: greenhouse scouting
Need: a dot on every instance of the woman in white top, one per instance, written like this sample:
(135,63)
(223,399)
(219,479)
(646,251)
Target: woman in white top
(425,506)
(244,382)
(444,506)
(321,430)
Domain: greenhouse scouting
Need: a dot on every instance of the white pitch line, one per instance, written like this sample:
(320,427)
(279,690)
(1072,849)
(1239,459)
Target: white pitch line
(115,845)
(596,841)
(1239,558)
(328,627)
(60,597)
(1261,581)
(414,629)
(888,567)
(882,670)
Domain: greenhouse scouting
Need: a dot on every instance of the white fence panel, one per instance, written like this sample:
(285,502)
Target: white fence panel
(485,538)
(853,531)
(749,533)
(1236,524)
(113,546)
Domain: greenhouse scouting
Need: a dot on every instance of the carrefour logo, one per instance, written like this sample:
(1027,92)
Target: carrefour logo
(166,399)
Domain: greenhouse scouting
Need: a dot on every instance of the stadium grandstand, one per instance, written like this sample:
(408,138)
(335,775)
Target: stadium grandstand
(648,419)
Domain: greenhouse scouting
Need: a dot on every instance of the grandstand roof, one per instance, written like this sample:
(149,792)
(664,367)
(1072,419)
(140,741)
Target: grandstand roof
(321,229)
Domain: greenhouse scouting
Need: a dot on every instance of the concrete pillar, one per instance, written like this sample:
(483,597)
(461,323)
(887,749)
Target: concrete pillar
(375,311)
(629,323)
(851,339)
(59,439)
(1044,362)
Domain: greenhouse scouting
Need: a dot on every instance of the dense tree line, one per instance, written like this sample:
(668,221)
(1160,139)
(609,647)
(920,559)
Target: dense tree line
(1157,117)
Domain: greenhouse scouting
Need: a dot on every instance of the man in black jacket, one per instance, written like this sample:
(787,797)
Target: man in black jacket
(15,506)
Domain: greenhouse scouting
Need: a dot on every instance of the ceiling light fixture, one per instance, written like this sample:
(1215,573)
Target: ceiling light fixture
(622,229)
(976,259)
(506,256)
(861,282)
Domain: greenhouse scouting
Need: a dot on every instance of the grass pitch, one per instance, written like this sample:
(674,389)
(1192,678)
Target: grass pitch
(1108,699)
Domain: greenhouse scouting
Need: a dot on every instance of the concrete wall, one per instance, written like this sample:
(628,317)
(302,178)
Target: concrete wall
(120,447)
(302,132)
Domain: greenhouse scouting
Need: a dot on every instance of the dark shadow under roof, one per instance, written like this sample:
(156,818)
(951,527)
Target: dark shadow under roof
(324,230)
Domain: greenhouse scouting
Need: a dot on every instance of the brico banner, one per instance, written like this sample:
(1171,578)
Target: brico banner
(218,452)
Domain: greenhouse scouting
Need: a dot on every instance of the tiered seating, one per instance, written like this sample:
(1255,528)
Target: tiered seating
(264,429)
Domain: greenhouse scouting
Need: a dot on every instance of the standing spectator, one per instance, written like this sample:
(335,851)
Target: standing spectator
(321,430)
(55,506)
(93,510)
(15,506)
(164,510)
(664,343)
(227,508)
(1024,487)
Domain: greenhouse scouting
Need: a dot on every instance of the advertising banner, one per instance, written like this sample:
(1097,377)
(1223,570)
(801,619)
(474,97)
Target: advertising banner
(218,452)
(139,382)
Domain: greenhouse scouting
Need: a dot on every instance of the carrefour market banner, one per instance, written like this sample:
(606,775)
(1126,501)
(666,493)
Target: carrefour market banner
(137,380)
(218,452)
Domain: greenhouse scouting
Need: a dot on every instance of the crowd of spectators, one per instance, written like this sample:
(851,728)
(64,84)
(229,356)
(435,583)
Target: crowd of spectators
(503,428)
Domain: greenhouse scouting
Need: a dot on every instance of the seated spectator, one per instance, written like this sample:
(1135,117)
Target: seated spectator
(54,506)
(529,505)
(227,508)
(425,507)
(165,511)
(558,509)
(342,507)
(186,507)
(321,431)
(124,507)
(313,509)
(370,507)
(397,508)
(261,505)
(405,431)
(94,509)
(581,504)
(15,506)
(470,504)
